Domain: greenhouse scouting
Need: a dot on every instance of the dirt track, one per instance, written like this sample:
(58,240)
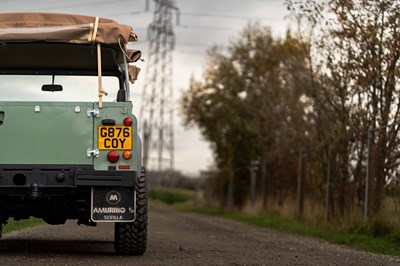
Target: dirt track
(178,239)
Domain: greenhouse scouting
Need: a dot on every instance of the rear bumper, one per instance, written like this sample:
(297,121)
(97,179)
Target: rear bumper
(56,192)
(105,178)
(57,178)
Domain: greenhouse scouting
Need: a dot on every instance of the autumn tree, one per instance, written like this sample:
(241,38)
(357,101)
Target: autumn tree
(249,103)
(359,49)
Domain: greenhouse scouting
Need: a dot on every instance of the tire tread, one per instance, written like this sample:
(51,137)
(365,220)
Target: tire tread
(131,237)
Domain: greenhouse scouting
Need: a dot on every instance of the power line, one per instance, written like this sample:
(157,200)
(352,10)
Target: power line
(226,16)
(205,27)
(182,43)
(85,4)
(127,13)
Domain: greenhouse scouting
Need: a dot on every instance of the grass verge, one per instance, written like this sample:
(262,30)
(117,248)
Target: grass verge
(13,225)
(171,196)
(388,245)
(360,239)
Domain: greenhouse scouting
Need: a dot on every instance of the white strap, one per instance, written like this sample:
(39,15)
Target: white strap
(99,74)
(96,26)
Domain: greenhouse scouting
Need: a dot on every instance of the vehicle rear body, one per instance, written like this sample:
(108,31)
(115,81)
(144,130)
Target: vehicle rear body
(70,159)
(61,132)
(51,154)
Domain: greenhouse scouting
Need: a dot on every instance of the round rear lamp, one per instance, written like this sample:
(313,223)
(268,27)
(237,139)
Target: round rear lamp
(127,155)
(113,156)
(128,121)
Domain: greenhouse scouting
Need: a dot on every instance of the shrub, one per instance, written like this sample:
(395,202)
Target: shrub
(171,196)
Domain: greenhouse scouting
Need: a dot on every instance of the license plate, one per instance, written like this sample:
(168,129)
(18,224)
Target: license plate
(114,138)
(113,204)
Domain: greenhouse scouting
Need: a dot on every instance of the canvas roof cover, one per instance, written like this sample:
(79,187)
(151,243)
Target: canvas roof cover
(66,28)
(61,28)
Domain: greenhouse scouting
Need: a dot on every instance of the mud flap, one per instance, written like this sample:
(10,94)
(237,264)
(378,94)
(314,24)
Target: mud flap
(113,204)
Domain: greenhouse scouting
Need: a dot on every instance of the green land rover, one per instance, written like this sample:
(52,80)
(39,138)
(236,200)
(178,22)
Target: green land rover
(70,159)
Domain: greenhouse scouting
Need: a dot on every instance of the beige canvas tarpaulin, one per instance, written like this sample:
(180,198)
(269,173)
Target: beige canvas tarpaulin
(133,73)
(56,27)
(69,28)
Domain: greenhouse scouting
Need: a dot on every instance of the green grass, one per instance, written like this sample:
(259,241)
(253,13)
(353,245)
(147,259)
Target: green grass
(388,244)
(171,196)
(362,237)
(19,225)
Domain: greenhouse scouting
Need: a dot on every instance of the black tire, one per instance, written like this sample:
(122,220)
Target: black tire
(131,238)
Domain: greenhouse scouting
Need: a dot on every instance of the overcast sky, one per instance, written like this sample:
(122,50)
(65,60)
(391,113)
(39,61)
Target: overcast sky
(203,23)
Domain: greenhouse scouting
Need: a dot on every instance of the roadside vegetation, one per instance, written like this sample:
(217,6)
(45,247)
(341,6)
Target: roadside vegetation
(305,127)
(171,196)
(374,236)
(13,225)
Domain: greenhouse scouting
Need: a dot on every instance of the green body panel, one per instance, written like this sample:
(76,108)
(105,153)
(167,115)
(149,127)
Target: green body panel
(117,111)
(54,135)
(60,133)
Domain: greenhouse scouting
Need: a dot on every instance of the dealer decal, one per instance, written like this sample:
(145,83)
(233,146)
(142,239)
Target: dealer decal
(109,210)
(113,204)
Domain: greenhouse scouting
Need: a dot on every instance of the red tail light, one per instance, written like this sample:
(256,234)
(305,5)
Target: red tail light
(128,121)
(113,156)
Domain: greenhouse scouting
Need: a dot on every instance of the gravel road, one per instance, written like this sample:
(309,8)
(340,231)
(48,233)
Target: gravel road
(177,238)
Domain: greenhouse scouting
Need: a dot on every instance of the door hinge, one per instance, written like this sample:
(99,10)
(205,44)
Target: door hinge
(93,112)
(95,153)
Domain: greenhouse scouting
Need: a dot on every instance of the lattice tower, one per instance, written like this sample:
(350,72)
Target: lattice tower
(157,108)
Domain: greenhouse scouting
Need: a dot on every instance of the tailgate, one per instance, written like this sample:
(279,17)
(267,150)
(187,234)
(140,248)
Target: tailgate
(45,133)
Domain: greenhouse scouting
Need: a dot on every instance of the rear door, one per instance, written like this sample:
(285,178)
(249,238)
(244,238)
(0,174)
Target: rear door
(116,112)
(58,133)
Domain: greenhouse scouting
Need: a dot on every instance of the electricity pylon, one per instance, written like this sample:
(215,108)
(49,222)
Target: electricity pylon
(157,109)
